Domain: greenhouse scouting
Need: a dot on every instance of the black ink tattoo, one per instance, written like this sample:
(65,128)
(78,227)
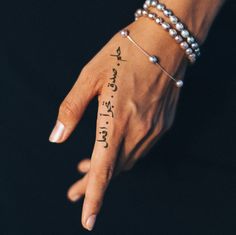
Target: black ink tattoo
(109,112)
(113,80)
(118,55)
(103,133)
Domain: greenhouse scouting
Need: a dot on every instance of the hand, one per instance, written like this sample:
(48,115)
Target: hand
(137,104)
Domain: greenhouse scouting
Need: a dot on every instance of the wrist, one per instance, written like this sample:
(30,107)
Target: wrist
(156,41)
(197,15)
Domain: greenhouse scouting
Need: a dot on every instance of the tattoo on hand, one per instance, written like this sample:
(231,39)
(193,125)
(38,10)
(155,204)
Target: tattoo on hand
(109,113)
(103,133)
(112,84)
(118,54)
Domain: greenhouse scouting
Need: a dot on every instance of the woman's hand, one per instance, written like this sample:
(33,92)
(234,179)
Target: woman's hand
(137,104)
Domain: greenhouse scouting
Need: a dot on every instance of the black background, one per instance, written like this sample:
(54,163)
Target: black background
(186,184)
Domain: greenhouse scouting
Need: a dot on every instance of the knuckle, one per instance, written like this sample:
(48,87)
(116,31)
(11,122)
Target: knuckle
(94,201)
(68,108)
(104,174)
(146,127)
(94,77)
(143,130)
(86,71)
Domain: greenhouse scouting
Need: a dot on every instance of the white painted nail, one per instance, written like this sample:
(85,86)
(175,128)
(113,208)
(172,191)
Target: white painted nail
(57,132)
(90,222)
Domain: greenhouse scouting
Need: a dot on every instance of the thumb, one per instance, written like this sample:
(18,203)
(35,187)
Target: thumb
(73,106)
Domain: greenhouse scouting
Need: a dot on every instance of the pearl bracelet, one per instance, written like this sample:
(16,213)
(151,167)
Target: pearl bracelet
(152,58)
(179,26)
(172,32)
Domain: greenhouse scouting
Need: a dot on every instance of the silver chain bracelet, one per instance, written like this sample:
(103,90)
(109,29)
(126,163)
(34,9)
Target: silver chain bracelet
(152,58)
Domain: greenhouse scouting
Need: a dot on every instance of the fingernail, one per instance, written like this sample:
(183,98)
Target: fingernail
(74,198)
(90,222)
(57,132)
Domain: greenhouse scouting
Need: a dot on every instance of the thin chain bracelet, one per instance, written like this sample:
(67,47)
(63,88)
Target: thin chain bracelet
(152,58)
(172,32)
(179,26)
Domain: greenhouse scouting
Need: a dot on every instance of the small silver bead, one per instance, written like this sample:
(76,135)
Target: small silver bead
(192,57)
(184,45)
(159,20)
(153,59)
(151,16)
(167,12)
(194,45)
(173,19)
(160,6)
(189,51)
(190,40)
(185,33)
(165,25)
(172,32)
(124,33)
(178,39)
(179,26)
(154,3)
(179,83)
(144,13)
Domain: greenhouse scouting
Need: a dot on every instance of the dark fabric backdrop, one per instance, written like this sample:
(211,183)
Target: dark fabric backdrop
(186,184)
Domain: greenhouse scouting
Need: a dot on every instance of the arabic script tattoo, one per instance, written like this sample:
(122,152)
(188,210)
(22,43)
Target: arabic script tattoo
(108,104)
(118,54)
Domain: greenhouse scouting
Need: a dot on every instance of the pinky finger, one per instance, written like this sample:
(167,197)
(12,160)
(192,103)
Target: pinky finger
(84,166)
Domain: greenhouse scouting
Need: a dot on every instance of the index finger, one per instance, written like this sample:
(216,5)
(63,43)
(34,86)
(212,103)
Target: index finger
(106,149)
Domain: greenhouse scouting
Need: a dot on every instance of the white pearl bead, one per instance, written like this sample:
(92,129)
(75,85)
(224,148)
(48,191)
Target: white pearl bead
(184,45)
(165,25)
(179,26)
(167,12)
(148,2)
(190,40)
(189,51)
(145,6)
(173,19)
(197,51)
(178,39)
(153,59)
(159,20)
(172,32)
(138,13)
(154,3)
(144,13)
(192,57)
(179,83)
(194,45)
(124,33)
(151,15)
(160,7)
(185,33)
